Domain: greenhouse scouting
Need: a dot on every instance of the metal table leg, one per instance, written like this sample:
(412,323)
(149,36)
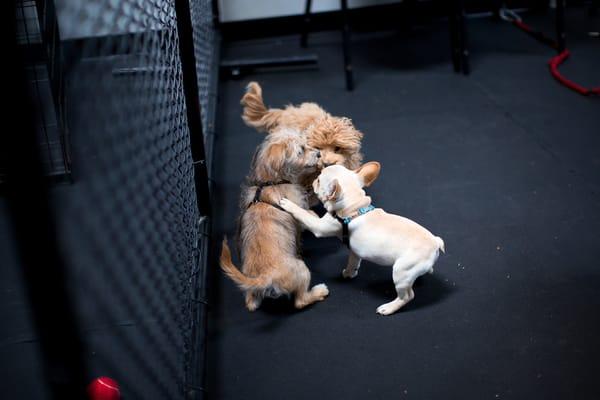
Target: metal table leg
(462,29)
(306,25)
(454,37)
(560,25)
(346,47)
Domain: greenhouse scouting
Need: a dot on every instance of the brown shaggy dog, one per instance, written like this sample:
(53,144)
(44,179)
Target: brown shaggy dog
(336,137)
(269,236)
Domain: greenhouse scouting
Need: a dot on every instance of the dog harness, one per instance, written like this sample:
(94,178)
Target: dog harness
(346,221)
(259,188)
(256,199)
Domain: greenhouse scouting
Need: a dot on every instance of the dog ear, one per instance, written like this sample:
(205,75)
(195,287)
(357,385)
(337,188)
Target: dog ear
(334,190)
(368,172)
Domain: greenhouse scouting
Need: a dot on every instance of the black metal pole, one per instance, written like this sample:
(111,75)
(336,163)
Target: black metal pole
(216,14)
(594,8)
(305,24)
(408,15)
(51,43)
(454,36)
(464,43)
(192,101)
(346,44)
(561,35)
(496,7)
(43,269)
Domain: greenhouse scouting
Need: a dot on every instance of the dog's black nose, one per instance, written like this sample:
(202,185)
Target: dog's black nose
(318,154)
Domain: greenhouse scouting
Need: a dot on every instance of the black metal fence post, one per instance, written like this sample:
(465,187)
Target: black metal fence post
(195,379)
(192,102)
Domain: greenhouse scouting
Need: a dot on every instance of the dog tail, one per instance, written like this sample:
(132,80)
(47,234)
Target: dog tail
(243,281)
(256,114)
(440,243)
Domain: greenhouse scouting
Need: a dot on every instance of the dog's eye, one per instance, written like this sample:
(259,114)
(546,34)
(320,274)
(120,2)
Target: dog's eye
(337,149)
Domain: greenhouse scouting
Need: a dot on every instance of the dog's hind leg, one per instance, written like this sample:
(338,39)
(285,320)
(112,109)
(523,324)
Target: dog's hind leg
(253,300)
(404,274)
(305,297)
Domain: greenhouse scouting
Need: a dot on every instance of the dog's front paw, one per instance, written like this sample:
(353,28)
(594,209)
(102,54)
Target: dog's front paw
(286,204)
(349,273)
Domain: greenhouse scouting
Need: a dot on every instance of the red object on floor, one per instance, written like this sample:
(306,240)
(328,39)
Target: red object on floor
(559,59)
(104,388)
(554,61)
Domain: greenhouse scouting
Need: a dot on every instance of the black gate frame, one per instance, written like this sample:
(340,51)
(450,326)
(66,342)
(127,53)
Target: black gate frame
(195,379)
(44,272)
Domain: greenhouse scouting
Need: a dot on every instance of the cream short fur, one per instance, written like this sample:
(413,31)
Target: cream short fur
(376,236)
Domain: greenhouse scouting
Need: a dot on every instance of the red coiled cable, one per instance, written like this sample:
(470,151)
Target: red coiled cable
(554,61)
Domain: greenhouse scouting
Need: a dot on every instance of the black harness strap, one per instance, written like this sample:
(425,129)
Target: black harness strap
(345,233)
(259,188)
(346,222)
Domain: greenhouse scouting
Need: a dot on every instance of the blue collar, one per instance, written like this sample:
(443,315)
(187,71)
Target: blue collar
(359,212)
(346,221)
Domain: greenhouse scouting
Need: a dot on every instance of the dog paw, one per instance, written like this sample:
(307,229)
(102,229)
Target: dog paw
(383,310)
(320,291)
(389,308)
(286,204)
(349,273)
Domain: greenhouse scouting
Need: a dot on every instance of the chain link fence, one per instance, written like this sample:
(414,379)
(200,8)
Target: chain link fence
(131,234)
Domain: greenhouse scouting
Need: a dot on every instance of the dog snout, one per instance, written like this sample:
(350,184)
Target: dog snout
(312,158)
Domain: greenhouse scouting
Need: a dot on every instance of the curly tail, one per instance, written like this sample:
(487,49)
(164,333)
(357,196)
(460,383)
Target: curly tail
(255,112)
(243,281)
(440,244)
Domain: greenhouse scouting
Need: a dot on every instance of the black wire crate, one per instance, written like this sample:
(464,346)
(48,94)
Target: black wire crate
(37,38)
(132,227)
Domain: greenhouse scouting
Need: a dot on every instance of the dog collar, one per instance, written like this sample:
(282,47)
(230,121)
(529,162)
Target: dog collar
(346,221)
(357,213)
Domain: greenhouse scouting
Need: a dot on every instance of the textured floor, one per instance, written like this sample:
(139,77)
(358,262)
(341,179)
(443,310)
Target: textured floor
(503,164)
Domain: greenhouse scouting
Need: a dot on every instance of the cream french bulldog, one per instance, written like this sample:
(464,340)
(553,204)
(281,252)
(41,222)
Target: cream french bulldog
(373,234)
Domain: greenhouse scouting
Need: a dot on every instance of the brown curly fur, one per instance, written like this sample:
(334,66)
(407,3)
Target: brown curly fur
(336,137)
(269,237)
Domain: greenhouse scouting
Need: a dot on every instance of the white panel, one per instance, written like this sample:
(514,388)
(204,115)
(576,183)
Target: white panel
(240,10)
